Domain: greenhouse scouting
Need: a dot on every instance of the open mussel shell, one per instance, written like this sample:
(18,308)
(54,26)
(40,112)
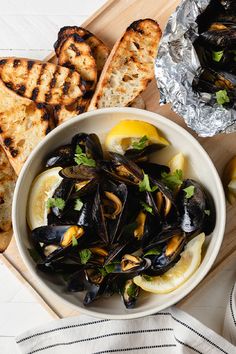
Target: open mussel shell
(131,264)
(93,147)
(224,39)
(164,255)
(98,218)
(130,293)
(79,172)
(141,155)
(62,156)
(79,140)
(122,169)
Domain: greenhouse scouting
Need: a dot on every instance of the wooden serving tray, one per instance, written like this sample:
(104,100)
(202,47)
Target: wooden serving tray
(108,24)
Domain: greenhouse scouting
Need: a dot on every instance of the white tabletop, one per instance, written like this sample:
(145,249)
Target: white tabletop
(29,29)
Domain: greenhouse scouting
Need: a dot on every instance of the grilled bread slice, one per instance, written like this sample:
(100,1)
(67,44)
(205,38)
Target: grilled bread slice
(75,53)
(7,185)
(130,66)
(23,124)
(41,82)
(99,50)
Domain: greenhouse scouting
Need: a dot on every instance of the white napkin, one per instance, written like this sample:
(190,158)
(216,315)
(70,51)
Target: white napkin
(171,331)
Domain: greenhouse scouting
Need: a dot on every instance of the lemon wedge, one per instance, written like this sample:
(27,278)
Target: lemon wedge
(42,188)
(127,132)
(177,163)
(179,273)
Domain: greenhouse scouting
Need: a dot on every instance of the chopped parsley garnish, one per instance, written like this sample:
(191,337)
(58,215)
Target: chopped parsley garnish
(141,144)
(74,241)
(189,191)
(172,180)
(56,202)
(110,267)
(144,185)
(103,272)
(132,290)
(222,97)
(82,159)
(216,56)
(146,207)
(78,204)
(85,255)
(153,252)
(207,212)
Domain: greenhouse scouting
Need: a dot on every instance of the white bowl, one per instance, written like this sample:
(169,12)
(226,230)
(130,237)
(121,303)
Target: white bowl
(100,121)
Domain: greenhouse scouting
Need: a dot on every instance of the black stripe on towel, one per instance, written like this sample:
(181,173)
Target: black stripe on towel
(188,346)
(102,336)
(231,305)
(199,334)
(136,348)
(59,329)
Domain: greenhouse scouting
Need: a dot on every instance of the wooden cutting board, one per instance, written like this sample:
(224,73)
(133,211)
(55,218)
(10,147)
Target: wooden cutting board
(108,23)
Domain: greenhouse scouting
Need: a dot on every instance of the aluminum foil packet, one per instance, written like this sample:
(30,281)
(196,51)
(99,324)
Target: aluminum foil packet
(176,66)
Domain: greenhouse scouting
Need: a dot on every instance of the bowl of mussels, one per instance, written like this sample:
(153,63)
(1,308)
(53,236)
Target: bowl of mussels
(119,212)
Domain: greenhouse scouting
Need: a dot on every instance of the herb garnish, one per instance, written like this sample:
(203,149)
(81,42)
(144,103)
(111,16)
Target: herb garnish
(141,144)
(189,191)
(222,97)
(207,212)
(56,202)
(74,241)
(146,207)
(216,56)
(153,252)
(78,204)
(132,290)
(172,180)
(144,185)
(85,255)
(82,159)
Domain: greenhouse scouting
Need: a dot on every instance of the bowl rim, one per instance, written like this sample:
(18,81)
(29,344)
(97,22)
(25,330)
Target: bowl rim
(168,123)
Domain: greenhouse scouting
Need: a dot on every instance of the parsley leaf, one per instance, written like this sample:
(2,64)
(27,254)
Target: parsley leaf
(74,241)
(222,97)
(216,56)
(56,202)
(78,204)
(207,212)
(132,290)
(141,144)
(153,252)
(189,191)
(110,267)
(146,207)
(85,255)
(144,185)
(172,180)
(102,271)
(81,158)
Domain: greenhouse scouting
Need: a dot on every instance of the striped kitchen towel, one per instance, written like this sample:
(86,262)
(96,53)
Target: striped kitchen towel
(169,332)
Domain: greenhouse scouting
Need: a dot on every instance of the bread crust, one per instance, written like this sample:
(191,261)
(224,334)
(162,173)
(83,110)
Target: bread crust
(130,66)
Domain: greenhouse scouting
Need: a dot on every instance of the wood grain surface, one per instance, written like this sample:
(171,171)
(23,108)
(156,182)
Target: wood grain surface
(108,24)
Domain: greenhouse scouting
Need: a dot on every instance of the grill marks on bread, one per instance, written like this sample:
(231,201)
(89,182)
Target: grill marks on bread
(130,66)
(41,82)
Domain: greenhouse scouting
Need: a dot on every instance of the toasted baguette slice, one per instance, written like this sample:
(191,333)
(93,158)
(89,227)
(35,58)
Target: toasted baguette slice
(130,66)
(41,82)
(100,51)
(75,53)
(7,185)
(23,124)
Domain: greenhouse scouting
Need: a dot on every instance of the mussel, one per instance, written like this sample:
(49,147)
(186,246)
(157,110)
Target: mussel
(129,293)
(62,156)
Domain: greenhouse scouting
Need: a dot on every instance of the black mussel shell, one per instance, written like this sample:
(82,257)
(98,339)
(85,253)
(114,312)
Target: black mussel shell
(62,156)
(49,234)
(154,170)
(93,147)
(130,293)
(58,267)
(192,210)
(218,40)
(63,191)
(79,139)
(139,155)
(77,281)
(79,172)
(98,218)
